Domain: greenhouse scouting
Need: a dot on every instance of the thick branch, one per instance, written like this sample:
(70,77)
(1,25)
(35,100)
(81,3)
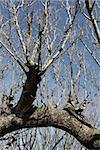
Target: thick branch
(43,117)
(9,123)
(29,91)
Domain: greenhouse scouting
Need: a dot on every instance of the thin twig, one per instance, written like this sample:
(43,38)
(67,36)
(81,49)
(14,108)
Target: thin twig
(93,20)
(92,54)
(58,141)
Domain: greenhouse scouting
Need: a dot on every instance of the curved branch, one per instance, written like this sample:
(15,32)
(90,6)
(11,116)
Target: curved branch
(50,116)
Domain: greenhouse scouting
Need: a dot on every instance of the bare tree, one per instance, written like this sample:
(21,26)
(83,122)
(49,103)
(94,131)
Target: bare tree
(49,74)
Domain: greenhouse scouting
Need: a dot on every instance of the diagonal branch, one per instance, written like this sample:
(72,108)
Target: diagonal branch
(4,40)
(91,53)
(59,140)
(56,55)
(19,31)
(93,20)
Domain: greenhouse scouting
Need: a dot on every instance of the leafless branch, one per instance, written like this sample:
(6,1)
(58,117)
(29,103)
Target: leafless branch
(92,53)
(58,53)
(93,20)
(62,137)
(19,31)
(87,17)
(4,40)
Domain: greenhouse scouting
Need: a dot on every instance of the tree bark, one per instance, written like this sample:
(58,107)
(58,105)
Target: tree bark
(29,91)
(53,117)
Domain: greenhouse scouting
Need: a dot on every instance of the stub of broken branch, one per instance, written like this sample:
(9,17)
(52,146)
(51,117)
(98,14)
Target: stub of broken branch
(6,105)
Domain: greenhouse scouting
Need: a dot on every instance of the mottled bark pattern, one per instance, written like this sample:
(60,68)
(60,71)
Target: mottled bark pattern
(49,116)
